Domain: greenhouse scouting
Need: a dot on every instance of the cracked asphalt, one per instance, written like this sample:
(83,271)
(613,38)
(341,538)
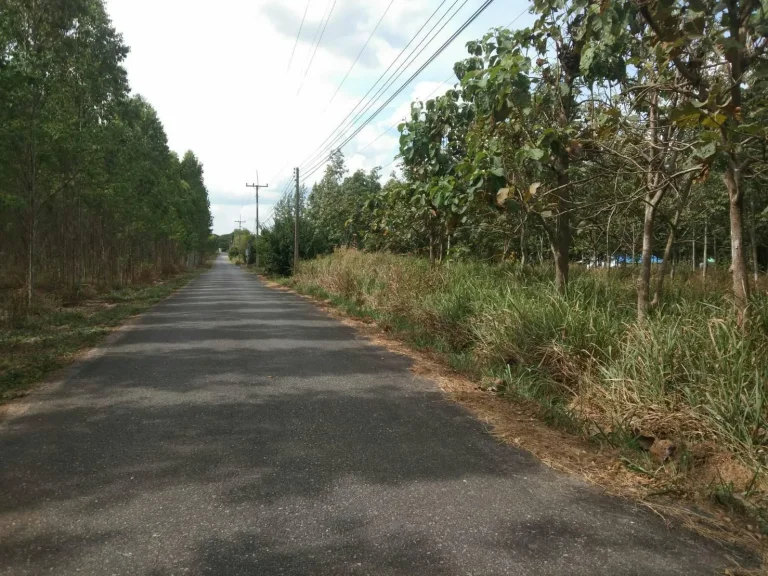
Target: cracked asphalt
(236,430)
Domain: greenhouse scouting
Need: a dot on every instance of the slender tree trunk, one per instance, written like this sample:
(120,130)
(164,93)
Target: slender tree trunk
(30,262)
(522,242)
(752,241)
(563,234)
(704,263)
(644,279)
(738,259)
(667,263)
(693,247)
(431,247)
(634,243)
(608,240)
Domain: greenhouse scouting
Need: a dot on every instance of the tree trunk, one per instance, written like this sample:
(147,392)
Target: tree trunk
(522,243)
(608,240)
(644,278)
(667,263)
(30,262)
(704,263)
(634,243)
(563,233)
(738,260)
(752,239)
(693,247)
(431,247)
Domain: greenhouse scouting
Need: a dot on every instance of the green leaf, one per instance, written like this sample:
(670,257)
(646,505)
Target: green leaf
(497,171)
(534,153)
(587,56)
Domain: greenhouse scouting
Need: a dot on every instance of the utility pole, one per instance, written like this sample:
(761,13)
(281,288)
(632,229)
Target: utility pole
(257,186)
(239,224)
(296,228)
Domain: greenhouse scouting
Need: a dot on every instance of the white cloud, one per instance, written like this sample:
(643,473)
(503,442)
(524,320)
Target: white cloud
(217,75)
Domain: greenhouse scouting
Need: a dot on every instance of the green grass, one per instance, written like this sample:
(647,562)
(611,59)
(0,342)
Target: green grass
(687,374)
(47,339)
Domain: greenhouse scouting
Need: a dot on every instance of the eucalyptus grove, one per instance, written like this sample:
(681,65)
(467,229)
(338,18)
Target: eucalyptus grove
(89,191)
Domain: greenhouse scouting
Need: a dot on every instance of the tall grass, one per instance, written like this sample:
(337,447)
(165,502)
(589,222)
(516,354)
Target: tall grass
(688,373)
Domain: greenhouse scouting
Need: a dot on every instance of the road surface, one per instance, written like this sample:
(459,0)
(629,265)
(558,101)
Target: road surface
(236,430)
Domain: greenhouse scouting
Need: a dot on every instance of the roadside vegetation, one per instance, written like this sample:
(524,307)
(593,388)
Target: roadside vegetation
(686,379)
(98,217)
(53,334)
(580,221)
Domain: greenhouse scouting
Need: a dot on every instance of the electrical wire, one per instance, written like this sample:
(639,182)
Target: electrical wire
(463,27)
(314,168)
(404,65)
(360,53)
(443,83)
(352,111)
(311,59)
(301,26)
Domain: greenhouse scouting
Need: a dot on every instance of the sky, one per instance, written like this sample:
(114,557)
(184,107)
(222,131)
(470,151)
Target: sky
(218,75)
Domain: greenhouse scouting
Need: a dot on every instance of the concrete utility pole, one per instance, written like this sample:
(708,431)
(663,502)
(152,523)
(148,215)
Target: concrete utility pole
(257,186)
(296,228)
(239,223)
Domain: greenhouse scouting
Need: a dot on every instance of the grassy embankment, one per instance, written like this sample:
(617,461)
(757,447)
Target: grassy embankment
(687,375)
(34,344)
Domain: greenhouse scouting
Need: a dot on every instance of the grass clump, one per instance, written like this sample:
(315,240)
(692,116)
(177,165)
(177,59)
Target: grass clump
(686,374)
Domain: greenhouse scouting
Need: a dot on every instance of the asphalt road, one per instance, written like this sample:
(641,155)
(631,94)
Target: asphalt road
(238,430)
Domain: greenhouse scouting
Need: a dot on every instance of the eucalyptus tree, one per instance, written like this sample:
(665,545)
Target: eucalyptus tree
(61,74)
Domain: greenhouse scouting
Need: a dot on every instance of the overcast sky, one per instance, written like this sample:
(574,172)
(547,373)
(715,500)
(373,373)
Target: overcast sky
(217,74)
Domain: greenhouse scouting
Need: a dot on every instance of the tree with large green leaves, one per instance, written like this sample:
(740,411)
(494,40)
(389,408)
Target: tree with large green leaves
(531,92)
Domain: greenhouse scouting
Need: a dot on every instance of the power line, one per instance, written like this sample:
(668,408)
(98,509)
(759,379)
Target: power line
(360,53)
(404,65)
(443,83)
(299,34)
(314,168)
(352,111)
(463,27)
(311,59)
